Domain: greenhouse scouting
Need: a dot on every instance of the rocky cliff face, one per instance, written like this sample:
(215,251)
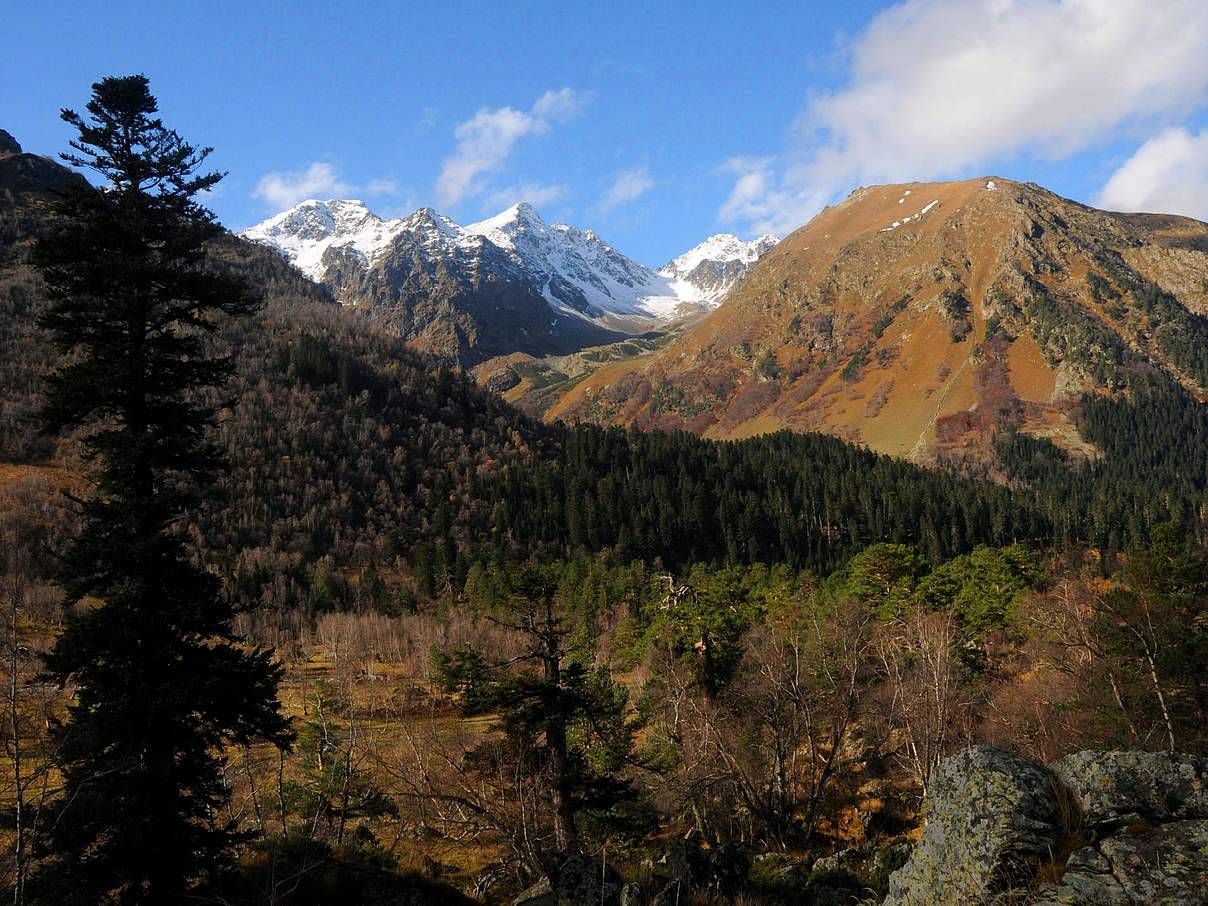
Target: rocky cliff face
(467,305)
(919,319)
(1118,828)
(29,178)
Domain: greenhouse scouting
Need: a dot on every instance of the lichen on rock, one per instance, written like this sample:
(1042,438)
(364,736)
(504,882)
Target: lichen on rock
(992,817)
(995,818)
(1116,789)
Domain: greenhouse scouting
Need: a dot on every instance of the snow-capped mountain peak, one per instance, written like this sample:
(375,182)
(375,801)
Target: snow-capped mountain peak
(722,248)
(306,231)
(576,271)
(719,262)
(429,226)
(507,227)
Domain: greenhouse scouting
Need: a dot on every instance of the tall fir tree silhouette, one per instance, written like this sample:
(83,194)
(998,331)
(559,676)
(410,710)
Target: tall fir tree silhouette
(161,682)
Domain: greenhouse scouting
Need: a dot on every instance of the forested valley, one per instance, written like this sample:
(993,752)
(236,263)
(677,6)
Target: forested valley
(697,662)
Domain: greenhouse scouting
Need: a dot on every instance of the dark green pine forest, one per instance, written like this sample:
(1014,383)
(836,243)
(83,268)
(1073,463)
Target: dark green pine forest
(500,641)
(348,446)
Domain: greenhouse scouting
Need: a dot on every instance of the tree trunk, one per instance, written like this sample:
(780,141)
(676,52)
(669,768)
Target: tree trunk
(566,834)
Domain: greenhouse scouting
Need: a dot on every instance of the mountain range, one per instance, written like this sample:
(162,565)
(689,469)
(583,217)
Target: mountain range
(924,320)
(509,284)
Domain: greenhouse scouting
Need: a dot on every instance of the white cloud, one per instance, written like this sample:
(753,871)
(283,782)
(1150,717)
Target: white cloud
(753,196)
(1167,175)
(535,194)
(630,185)
(560,105)
(383,186)
(941,87)
(319,180)
(427,121)
(482,145)
(485,141)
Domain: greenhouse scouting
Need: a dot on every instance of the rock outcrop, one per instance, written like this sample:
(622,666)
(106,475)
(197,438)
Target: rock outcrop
(8,144)
(1115,828)
(571,880)
(992,817)
(1144,817)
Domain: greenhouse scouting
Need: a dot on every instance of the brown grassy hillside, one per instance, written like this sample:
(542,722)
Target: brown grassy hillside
(920,318)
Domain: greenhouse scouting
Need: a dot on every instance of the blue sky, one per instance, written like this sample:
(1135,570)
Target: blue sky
(655,124)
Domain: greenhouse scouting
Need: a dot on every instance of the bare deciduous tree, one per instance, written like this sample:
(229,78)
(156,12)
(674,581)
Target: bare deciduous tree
(925,676)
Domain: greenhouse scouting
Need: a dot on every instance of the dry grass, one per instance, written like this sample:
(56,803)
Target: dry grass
(1073,837)
(52,475)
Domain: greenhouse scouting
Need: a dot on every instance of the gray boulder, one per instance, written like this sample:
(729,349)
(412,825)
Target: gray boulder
(1167,864)
(846,859)
(574,880)
(1137,822)
(632,894)
(1145,815)
(539,894)
(1116,789)
(991,818)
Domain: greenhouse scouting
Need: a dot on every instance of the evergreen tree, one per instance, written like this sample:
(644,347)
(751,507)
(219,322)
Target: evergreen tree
(336,786)
(161,681)
(564,725)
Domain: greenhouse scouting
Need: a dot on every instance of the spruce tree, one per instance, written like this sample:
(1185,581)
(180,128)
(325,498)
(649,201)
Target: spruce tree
(160,681)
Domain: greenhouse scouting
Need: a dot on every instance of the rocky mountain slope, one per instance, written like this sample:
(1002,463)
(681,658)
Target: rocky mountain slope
(27,184)
(921,319)
(508,284)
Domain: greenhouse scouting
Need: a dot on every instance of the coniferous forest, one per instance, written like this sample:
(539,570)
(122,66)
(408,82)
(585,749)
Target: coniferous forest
(294,614)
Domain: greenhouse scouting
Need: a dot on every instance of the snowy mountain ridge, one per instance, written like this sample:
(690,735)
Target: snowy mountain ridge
(717,264)
(577,272)
(305,232)
(723,247)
